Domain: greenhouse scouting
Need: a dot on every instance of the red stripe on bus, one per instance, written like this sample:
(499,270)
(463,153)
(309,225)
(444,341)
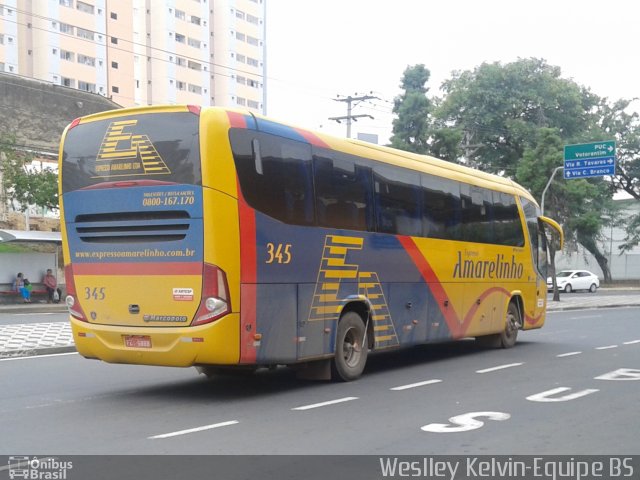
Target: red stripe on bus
(456,328)
(312,138)
(237,120)
(248,279)
(168,268)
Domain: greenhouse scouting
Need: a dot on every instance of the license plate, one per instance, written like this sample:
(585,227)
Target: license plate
(137,341)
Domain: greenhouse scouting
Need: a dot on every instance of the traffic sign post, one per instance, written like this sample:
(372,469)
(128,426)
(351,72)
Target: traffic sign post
(590,160)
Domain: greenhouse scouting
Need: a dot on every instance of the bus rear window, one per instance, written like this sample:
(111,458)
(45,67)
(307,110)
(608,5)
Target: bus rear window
(162,147)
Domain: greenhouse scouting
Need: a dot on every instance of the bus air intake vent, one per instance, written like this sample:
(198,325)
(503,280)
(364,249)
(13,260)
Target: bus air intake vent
(133,227)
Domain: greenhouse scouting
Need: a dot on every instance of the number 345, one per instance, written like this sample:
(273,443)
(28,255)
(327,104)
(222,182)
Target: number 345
(95,293)
(280,253)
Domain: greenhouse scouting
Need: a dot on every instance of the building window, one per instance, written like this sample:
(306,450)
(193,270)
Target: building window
(66,3)
(252,19)
(241,80)
(88,34)
(240,36)
(114,40)
(253,40)
(180,38)
(86,86)
(195,89)
(86,60)
(180,15)
(181,85)
(85,7)
(194,65)
(241,58)
(195,20)
(1,39)
(66,28)
(182,62)
(115,89)
(114,65)
(67,55)
(114,15)
(241,101)
(252,61)
(253,104)
(240,14)
(194,43)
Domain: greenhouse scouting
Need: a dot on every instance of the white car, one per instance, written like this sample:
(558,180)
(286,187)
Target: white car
(571,280)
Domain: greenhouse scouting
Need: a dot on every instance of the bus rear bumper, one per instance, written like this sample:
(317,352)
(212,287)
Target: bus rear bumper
(215,343)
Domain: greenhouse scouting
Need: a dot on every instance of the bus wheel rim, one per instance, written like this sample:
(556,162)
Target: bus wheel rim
(350,347)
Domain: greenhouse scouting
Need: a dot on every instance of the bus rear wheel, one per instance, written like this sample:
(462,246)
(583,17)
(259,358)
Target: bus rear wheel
(351,348)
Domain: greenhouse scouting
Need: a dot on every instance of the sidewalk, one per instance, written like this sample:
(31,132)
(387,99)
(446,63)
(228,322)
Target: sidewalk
(19,340)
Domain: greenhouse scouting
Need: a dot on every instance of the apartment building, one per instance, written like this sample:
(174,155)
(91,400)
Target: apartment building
(141,52)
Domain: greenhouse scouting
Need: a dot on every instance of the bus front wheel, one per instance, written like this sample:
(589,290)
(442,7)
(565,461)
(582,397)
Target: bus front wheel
(351,348)
(508,337)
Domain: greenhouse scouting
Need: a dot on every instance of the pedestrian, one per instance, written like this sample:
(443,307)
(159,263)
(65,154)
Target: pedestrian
(51,284)
(22,285)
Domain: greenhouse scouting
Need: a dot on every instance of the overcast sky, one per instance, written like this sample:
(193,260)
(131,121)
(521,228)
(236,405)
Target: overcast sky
(319,49)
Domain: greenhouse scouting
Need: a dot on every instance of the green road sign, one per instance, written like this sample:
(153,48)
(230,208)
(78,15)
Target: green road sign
(586,151)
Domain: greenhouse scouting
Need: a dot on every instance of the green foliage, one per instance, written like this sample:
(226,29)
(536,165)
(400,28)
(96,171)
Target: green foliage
(413,108)
(22,183)
(500,108)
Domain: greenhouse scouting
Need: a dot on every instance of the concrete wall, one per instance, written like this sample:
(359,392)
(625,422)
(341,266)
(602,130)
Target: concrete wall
(37,112)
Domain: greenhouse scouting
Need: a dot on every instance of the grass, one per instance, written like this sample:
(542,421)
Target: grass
(14,248)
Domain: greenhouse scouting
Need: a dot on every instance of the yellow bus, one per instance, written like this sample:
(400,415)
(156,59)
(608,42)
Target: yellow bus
(218,238)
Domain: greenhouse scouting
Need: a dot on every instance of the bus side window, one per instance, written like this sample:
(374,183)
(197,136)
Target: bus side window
(279,183)
(441,208)
(507,224)
(398,201)
(343,191)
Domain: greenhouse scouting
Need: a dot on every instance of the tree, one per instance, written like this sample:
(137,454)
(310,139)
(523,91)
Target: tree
(618,124)
(23,183)
(413,110)
(499,108)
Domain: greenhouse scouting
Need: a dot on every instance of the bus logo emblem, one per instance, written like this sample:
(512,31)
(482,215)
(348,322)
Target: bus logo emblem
(124,153)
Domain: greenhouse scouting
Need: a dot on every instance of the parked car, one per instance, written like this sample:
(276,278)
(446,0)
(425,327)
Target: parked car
(571,280)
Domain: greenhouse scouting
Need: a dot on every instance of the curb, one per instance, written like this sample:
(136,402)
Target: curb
(591,307)
(33,352)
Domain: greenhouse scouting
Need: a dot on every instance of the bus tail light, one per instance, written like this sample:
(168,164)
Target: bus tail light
(215,296)
(75,310)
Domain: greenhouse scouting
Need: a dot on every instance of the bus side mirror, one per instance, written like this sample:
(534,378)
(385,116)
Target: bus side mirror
(554,225)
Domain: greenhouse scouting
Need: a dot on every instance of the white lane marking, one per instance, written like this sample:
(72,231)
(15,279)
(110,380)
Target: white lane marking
(418,384)
(569,354)
(38,356)
(585,316)
(621,374)
(194,430)
(632,342)
(465,422)
(546,396)
(607,347)
(499,367)
(38,314)
(324,404)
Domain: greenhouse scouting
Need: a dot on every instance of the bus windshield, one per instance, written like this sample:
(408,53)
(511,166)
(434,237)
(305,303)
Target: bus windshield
(142,147)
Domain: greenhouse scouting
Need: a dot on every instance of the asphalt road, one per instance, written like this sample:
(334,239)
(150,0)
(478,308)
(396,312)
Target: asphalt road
(544,396)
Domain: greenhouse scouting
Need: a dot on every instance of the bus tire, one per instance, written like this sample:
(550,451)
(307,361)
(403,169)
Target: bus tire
(350,353)
(508,337)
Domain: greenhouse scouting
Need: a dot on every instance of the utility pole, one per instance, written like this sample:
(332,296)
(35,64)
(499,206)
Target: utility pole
(352,102)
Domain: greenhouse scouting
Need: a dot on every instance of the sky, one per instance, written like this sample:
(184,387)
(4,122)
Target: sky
(318,50)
